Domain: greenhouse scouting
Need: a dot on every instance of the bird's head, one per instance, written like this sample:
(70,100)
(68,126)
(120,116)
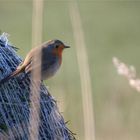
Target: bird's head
(56,47)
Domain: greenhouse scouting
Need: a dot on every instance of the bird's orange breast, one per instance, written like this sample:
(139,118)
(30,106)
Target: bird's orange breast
(58,52)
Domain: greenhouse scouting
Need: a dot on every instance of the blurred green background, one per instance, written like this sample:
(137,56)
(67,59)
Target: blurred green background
(111,28)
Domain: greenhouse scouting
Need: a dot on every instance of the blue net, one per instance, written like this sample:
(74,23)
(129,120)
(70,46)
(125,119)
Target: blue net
(15,103)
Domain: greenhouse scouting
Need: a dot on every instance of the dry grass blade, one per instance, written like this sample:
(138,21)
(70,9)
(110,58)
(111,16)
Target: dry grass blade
(84,72)
(36,73)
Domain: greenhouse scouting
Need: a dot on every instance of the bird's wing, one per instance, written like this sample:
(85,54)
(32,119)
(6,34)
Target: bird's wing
(22,66)
(29,59)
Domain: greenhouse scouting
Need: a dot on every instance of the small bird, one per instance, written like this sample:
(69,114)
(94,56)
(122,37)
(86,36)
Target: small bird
(51,60)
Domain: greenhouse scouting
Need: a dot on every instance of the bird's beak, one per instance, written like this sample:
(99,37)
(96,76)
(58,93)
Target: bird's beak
(65,47)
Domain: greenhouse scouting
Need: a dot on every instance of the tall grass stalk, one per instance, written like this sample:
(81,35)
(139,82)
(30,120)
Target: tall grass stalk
(37,16)
(82,57)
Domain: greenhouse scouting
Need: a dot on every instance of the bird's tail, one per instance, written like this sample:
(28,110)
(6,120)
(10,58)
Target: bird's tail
(16,72)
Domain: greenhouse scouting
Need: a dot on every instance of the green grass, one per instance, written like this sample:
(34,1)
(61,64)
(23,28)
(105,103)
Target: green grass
(111,29)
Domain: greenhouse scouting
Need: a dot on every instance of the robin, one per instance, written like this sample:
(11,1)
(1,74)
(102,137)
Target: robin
(51,60)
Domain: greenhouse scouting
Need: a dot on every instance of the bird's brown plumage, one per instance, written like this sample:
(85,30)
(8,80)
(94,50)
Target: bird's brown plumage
(51,58)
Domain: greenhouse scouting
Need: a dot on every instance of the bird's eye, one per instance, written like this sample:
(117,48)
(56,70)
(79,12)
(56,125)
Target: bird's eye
(56,46)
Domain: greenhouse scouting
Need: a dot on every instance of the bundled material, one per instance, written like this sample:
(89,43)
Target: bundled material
(15,103)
